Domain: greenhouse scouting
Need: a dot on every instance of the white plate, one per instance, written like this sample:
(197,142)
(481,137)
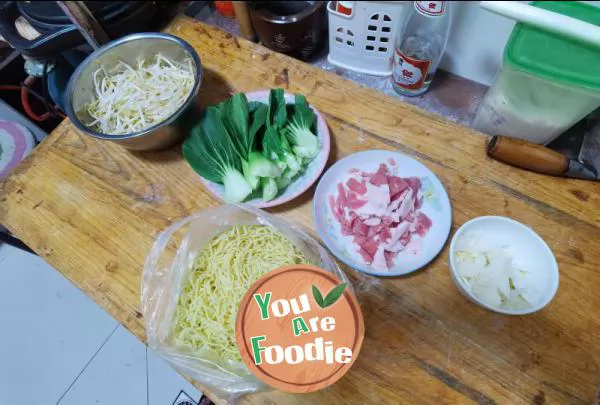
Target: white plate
(302,183)
(436,205)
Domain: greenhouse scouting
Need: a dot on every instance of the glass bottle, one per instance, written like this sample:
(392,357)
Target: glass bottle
(420,47)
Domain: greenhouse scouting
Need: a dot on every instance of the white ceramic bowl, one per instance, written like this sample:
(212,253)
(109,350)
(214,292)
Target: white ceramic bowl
(525,245)
(301,183)
(436,206)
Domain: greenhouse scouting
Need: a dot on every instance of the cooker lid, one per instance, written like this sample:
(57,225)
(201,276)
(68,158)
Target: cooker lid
(45,15)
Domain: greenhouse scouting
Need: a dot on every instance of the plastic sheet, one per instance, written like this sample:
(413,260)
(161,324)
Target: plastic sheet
(165,272)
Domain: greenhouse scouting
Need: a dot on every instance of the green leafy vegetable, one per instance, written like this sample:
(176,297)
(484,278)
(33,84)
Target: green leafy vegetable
(253,180)
(277,148)
(261,166)
(234,115)
(258,115)
(277,108)
(236,187)
(282,182)
(249,146)
(302,109)
(212,154)
(306,145)
(258,118)
(275,144)
(269,188)
(254,105)
(299,129)
(289,173)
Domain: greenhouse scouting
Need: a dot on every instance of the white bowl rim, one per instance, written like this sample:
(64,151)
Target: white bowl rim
(463,288)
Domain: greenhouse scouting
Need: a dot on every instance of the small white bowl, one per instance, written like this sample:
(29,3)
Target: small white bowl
(525,245)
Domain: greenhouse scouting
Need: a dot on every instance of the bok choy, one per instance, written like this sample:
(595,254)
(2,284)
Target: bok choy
(211,153)
(235,116)
(299,129)
(254,149)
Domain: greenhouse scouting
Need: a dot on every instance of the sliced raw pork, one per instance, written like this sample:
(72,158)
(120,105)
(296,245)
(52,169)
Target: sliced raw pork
(381,212)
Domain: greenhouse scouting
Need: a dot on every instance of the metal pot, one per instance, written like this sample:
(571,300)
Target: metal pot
(296,28)
(80,90)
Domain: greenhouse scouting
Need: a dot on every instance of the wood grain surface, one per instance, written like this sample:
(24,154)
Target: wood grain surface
(92,210)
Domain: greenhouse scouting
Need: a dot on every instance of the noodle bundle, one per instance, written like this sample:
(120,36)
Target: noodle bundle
(222,273)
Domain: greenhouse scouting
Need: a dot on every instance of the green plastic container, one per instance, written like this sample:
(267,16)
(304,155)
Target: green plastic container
(547,83)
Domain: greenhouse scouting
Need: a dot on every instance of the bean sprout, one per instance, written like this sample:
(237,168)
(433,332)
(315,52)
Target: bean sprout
(131,99)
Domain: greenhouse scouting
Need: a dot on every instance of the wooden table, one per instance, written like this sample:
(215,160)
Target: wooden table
(92,210)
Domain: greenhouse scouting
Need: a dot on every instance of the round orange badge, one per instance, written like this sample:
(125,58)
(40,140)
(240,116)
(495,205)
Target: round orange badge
(299,328)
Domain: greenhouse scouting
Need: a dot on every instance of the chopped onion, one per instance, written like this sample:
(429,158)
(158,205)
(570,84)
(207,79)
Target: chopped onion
(491,275)
(131,99)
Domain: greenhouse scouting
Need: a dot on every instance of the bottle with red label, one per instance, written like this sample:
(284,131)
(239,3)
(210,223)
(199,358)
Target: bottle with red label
(420,46)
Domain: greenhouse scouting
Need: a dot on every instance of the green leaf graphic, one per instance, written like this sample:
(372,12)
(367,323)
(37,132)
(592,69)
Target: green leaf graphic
(317,295)
(334,295)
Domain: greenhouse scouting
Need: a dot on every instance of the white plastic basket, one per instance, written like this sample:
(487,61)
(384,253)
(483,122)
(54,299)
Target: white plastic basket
(364,40)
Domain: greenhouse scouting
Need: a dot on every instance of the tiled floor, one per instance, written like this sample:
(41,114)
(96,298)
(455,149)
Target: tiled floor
(59,347)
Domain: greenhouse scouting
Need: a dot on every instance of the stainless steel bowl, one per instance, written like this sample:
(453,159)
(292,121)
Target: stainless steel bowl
(129,49)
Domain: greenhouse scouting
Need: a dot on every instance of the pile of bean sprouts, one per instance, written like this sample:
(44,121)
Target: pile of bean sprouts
(130,99)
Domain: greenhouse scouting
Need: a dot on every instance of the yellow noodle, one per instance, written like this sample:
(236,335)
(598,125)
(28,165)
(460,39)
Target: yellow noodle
(223,271)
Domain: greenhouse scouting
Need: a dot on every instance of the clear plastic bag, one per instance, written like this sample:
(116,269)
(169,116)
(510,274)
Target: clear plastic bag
(165,273)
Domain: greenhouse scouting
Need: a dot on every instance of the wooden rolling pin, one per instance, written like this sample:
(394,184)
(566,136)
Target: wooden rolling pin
(526,155)
(537,158)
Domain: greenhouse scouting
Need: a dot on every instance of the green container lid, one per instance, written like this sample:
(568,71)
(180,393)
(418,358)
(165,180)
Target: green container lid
(553,56)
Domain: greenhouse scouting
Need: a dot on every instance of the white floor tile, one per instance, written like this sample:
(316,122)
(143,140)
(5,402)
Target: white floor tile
(49,330)
(117,375)
(164,383)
